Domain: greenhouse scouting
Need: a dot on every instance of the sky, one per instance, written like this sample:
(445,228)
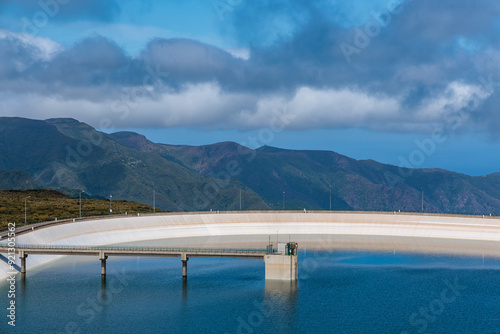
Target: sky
(406,82)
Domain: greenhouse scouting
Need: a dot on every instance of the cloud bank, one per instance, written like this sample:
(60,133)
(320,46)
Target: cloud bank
(389,65)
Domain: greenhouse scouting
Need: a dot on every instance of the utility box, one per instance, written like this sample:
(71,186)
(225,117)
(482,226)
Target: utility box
(281,247)
(291,248)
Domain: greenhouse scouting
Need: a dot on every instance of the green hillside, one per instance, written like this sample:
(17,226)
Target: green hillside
(70,156)
(13,179)
(307,177)
(43,205)
(67,154)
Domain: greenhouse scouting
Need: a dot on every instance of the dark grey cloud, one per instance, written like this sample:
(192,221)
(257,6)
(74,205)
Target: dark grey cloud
(98,10)
(311,55)
(436,21)
(91,62)
(264,22)
(188,61)
(430,57)
(15,56)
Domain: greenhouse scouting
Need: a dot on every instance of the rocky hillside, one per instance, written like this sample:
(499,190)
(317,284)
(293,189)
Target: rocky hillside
(72,156)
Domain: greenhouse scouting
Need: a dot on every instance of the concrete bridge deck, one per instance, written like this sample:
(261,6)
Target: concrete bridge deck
(278,265)
(138,251)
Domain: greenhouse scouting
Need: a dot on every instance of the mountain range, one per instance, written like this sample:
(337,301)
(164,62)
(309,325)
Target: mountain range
(71,156)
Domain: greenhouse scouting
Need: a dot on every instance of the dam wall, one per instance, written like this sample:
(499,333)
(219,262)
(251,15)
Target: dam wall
(132,228)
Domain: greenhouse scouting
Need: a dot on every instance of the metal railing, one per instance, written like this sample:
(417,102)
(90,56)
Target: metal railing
(138,249)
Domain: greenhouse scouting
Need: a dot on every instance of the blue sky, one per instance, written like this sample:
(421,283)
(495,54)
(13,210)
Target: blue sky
(402,82)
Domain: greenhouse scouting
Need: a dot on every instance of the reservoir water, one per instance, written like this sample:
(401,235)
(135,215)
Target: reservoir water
(337,292)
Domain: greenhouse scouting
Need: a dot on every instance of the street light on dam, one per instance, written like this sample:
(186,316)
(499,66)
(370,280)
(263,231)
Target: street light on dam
(25,211)
(422,198)
(110,210)
(80,214)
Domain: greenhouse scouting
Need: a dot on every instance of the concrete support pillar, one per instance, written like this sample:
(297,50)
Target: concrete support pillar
(281,267)
(184,260)
(103,258)
(23,256)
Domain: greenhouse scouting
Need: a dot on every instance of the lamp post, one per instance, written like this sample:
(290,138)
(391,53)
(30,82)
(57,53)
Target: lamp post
(25,210)
(240,198)
(283,200)
(154,200)
(422,199)
(80,204)
(110,210)
(330,198)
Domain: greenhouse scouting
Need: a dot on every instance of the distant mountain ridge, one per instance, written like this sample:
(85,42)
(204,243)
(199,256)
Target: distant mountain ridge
(65,153)
(16,180)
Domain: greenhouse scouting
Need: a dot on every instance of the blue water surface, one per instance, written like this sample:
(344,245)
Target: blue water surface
(337,292)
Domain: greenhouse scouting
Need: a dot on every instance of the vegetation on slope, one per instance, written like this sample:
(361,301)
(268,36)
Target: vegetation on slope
(68,156)
(12,179)
(43,205)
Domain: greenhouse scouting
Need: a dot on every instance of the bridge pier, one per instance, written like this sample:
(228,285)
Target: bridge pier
(283,266)
(184,260)
(103,258)
(23,256)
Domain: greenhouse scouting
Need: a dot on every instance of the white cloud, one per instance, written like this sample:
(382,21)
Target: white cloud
(241,53)
(207,106)
(316,108)
(47,47)
(457,96)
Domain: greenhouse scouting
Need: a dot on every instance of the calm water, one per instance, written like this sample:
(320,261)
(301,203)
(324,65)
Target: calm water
(341,292)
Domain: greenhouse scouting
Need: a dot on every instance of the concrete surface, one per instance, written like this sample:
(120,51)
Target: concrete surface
(132,228)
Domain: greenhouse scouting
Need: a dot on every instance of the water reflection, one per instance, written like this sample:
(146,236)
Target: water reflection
(286,289)
(281,303)
(23,290)
(103,292)
(281,293)
(184,290)
(104,298)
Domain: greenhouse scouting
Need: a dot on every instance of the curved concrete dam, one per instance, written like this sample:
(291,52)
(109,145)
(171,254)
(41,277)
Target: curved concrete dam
(406,232)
